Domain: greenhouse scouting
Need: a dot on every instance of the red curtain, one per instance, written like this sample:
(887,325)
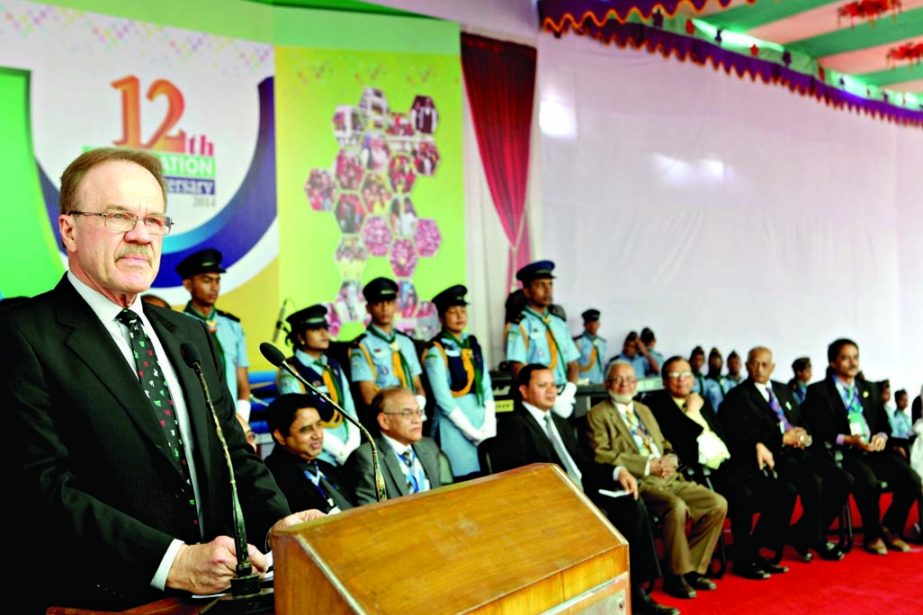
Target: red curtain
(500,77)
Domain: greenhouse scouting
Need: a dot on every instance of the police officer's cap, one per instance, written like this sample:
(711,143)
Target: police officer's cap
(380,289)
(203,261)
(539,270)
(591,315)
(312,317)
(454,295)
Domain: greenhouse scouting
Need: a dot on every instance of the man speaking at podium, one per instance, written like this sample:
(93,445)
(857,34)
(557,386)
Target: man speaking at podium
(122,493)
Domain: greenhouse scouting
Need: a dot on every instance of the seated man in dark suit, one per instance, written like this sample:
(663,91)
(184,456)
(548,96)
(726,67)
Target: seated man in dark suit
(624,433)
(763,422)
(298,431)
(846,413)
(689,422)
(409,462)
(534,434)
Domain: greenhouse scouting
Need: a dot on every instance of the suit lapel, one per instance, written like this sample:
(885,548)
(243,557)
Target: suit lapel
(540,437)
(392,469)
(620,426)
(91,343)
(782,395)
(430,465)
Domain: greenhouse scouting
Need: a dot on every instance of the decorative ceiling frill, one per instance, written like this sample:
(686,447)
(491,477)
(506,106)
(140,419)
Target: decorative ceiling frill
(667,27)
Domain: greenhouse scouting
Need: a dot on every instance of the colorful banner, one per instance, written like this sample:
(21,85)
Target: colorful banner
(358,132)
(370,178)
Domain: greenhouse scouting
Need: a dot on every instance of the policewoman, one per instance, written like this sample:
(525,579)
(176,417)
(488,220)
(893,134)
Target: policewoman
(460,382)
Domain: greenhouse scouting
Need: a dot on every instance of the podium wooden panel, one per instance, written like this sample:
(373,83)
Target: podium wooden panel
(523,541)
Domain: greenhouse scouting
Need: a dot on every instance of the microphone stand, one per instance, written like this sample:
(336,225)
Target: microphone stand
(275,356)
(246,594)
(278,328)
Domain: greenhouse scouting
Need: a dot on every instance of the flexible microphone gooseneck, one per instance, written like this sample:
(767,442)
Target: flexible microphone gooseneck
(275,356)
(245,586)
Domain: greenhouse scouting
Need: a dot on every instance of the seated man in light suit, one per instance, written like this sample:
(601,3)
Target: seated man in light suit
(624,433)
(409,462)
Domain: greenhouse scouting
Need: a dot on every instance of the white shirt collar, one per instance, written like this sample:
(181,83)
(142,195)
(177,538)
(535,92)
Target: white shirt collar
(104,308)
(308,360)
(537,413)
(399,448)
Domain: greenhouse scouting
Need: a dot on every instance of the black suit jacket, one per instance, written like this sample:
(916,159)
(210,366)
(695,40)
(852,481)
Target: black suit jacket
(748,419)
(521,441)
(288,470)
(681,430)
(98,500)
(825,413)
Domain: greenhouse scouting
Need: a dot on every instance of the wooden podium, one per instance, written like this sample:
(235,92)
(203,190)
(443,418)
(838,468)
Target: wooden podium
(523,541)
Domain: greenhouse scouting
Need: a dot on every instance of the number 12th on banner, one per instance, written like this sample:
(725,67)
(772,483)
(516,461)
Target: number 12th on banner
(130,87)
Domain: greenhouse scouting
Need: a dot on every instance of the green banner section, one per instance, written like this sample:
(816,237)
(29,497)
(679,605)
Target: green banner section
(28,251)
(370,175)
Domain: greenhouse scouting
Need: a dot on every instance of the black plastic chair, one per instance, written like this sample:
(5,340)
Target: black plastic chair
(485,453)
(719,563)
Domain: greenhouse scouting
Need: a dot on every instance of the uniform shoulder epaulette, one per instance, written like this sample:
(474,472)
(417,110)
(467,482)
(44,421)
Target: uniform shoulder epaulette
(227,315)
(518,318)
(358,340)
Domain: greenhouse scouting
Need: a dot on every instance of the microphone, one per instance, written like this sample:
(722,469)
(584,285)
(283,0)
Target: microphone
(278,328)
(246,594)
(275,356)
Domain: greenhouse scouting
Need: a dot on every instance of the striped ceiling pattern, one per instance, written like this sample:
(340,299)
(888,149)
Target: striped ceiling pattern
(862,48)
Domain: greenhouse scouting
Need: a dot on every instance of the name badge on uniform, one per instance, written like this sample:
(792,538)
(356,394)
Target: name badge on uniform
(536,333)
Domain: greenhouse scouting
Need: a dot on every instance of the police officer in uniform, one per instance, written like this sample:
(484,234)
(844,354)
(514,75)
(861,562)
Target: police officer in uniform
(460,382)
(201,273)
(383,357)
(542,337)
(592,348)
(310,337)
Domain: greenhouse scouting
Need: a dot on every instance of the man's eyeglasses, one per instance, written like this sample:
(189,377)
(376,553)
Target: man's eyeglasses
(623,380)
(408,413)
(123,221)
(679,375)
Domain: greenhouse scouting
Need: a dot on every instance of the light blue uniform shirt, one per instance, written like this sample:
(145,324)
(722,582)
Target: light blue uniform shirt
(591,363)
(371,359)
(231,336)
(900,424)
(528,342)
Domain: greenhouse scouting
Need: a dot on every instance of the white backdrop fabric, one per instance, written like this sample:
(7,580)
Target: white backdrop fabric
(717,211)
(722,212)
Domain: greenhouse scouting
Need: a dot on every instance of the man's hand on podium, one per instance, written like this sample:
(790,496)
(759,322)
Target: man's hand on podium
(295,518)
(208,568)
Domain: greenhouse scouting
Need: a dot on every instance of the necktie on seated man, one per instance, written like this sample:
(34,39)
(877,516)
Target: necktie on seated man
(777,409)
(155,388)
(413,483)
(569,465)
